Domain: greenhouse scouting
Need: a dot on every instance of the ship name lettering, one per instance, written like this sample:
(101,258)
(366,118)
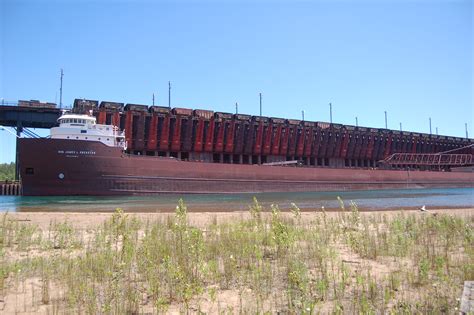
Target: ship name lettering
(76,152)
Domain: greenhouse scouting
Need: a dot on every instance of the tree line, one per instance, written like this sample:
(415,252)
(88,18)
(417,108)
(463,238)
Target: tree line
(7,171)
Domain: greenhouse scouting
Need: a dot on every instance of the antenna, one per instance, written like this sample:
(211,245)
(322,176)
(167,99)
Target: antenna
(467,136)
(330,113)
(400,126)
(260,104)
(436,130)
(153,99)
(169,94)
(385,119)
(302,114)
(430,125)
(61,90)
(357,122)
(236,107)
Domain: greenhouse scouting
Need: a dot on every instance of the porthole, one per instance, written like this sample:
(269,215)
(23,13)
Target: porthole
(77,137)
(61,176)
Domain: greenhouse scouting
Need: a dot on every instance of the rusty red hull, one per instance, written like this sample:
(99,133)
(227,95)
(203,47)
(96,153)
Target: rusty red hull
(64,167)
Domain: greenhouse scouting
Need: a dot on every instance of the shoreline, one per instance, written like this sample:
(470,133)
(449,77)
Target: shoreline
(203,218)
(218,209)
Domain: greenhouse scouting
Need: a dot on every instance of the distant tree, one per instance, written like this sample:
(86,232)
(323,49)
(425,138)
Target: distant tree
(7,171)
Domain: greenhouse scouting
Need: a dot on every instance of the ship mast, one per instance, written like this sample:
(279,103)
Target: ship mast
(169,94)
(61,90)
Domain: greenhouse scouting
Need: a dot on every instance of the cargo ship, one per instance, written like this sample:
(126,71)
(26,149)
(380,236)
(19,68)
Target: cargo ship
(164,150)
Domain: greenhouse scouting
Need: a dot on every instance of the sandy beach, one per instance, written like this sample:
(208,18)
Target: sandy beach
(235,262)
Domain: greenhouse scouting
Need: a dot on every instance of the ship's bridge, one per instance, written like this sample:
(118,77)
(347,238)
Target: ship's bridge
(76,120)
(84,127)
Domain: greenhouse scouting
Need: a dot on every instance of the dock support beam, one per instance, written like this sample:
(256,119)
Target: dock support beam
(19,129)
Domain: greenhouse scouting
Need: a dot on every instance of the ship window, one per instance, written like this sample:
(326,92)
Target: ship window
(86,137)
(83,131)
(77,137)
(107,139)
(99,138)
(29,171)
(74,120)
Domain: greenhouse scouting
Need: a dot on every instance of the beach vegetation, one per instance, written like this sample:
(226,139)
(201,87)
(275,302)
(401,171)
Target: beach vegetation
(268,261)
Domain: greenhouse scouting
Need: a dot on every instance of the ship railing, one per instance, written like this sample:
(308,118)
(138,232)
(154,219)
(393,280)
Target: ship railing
(427,159)
(283,163)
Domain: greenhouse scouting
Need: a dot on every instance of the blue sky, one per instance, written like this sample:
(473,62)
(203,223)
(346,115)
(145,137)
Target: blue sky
(413,59)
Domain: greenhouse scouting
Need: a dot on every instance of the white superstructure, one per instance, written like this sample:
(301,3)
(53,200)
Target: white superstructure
(84,127)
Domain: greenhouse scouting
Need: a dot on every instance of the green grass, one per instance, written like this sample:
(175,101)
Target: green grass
(272,262)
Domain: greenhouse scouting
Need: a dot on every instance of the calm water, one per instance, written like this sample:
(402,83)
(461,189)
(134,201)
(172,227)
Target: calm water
(366,200)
